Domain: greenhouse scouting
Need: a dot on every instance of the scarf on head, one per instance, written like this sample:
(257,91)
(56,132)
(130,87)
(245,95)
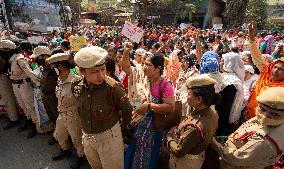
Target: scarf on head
(234,64)
(269,40)
(209,63)
(263,82)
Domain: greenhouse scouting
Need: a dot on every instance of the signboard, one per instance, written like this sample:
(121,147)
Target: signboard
(132,32)
(184,25)
(35,39)
(77,43)
(51,29)
(217,26)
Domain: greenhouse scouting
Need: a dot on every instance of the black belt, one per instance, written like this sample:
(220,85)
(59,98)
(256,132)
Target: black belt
(20,81)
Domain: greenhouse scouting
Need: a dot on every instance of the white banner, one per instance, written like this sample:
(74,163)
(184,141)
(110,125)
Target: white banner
(217,26)
(51,29)
(35,39)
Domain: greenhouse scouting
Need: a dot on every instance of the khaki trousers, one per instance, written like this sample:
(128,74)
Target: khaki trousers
(187,162)
(7,94)
(105,150)
(69,123)
(25,98)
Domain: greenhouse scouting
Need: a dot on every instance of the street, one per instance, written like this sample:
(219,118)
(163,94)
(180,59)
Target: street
(17,152)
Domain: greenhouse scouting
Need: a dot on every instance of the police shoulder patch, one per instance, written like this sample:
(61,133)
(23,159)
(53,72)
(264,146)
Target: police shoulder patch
(76,86)
(110,81)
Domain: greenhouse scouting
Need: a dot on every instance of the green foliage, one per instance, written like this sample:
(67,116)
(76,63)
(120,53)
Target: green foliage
(272,25)
(84,4)
(181,8)
(257,11)
(235,12)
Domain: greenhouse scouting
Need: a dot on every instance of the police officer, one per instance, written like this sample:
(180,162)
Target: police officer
(68,121)
(104,108)
(6,92)
(21,77)
(258,143)
(48,85)
(188,141)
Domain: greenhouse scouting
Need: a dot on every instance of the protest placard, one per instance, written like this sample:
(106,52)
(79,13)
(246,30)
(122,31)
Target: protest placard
(184,25)
(132,32)
(77,43)
(51,29)
(35,39)
(217,26)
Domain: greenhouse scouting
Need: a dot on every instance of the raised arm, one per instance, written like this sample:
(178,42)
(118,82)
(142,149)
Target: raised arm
(125,58)
(198,46)
(163,47)
(257,58)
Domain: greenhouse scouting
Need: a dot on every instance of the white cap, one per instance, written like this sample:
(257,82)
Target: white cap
(249,68)
(141,52)
(7,44)
(57,58)
(40,50)
(89,57)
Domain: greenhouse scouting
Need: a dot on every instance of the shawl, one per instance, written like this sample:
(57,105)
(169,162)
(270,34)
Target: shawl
(234,64)
(263,82)
(232,79)
(234,75)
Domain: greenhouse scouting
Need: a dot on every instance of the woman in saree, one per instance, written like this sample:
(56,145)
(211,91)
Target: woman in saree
(271,74)
(143,151)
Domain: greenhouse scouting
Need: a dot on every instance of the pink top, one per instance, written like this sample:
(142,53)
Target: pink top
(166,88)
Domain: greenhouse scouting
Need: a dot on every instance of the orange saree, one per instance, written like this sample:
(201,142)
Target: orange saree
(262,83)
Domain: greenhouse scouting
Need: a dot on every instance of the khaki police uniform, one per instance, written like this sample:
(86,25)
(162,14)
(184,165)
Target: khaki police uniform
(189,140)
(6,90)
(256,145)
(68,121)
(103,110)
(21,75)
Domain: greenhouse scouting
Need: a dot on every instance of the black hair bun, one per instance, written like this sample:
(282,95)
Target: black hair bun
(217,99)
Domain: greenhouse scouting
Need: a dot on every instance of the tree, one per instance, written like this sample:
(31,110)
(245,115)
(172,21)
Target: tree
(235,12)
(182,8)
(257,12)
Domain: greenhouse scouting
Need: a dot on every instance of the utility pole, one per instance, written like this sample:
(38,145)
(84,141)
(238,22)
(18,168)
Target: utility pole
(64,15)
(4,17)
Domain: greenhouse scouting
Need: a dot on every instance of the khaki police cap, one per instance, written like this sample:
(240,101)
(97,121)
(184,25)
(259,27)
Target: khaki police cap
(7,44)
(40,50)
(57,58)
(199,81)
(89,57)
(272,97)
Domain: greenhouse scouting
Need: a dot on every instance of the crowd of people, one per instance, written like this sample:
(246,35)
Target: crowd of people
(180,99)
